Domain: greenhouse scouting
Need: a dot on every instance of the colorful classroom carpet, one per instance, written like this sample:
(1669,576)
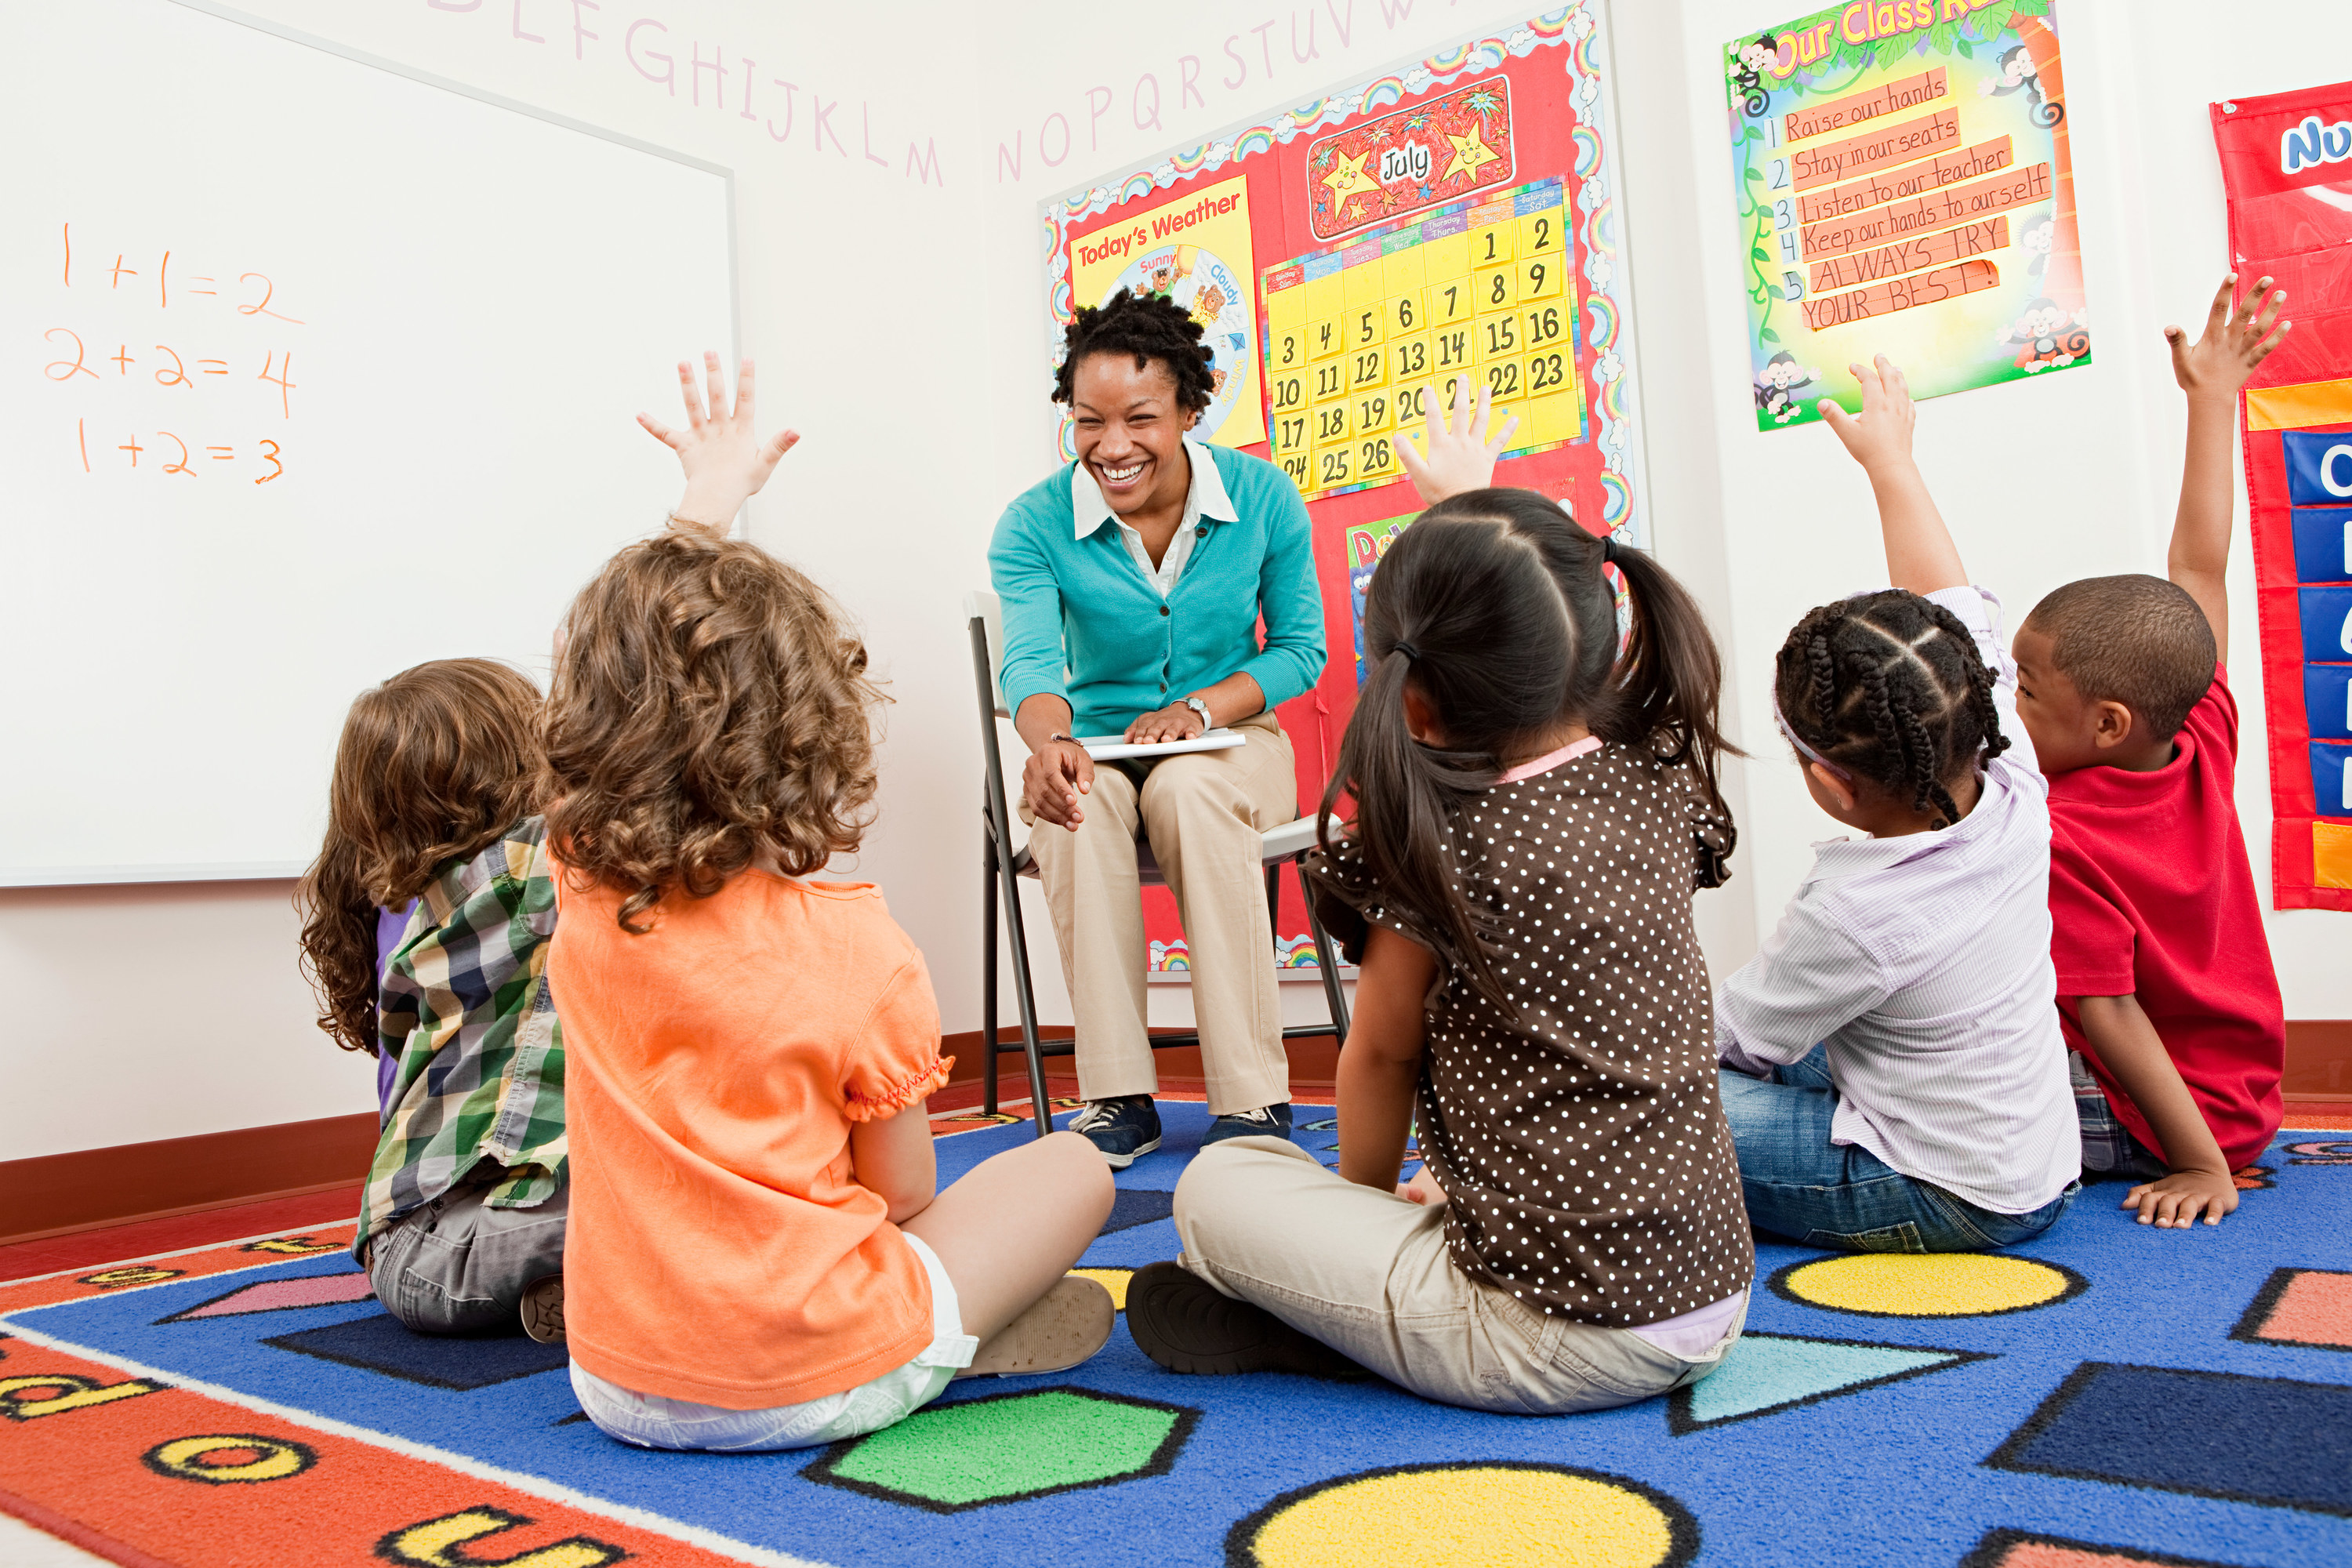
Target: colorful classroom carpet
(2112,1394)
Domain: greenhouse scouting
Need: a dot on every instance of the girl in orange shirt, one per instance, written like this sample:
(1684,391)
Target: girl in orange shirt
(759,1257)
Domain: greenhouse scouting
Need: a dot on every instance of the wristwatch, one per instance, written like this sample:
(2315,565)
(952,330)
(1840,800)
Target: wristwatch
(1197,705)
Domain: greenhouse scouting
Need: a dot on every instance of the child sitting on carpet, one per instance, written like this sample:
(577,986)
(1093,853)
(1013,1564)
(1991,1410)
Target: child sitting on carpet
(1892,1071)
(1533,815)
(760,1260)
(2164,985)
(462,1219)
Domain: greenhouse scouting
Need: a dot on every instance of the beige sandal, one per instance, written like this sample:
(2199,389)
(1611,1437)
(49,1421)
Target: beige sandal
(1060,1329)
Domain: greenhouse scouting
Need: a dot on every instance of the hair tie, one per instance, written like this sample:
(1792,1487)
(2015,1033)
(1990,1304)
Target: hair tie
(1609,549)
(1406,648)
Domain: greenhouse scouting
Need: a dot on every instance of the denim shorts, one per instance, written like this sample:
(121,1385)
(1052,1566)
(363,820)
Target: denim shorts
(1800,1184)
(651,1421)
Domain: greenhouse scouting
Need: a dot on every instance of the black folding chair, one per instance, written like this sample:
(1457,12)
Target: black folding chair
(1005,865)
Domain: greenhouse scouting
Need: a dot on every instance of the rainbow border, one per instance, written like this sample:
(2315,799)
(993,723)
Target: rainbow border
(1609,401)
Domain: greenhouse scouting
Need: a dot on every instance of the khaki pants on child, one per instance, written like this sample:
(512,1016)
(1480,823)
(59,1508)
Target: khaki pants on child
(457,1266)
(1203,813)
(1367,1273)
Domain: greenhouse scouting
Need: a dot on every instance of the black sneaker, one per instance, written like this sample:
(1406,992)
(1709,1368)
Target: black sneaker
(1267,1122)
(1121,1129)
(1180,1322)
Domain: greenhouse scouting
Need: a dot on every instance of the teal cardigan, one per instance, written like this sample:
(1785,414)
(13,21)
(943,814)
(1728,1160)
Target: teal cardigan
(1082,622)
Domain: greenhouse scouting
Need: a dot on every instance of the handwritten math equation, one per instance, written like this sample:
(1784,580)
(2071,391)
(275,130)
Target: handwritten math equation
(196,371)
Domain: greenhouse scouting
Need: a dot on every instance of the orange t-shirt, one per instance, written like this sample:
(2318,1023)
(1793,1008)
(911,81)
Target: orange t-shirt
(720,1249)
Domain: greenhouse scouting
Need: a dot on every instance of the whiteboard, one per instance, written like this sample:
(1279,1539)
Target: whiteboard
(315,368)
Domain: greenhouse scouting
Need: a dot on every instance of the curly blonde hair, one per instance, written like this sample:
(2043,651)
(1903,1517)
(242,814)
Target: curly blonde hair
(711,705)
(434,766)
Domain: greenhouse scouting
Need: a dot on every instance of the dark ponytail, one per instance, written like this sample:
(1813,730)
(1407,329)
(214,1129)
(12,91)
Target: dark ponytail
(1493,607)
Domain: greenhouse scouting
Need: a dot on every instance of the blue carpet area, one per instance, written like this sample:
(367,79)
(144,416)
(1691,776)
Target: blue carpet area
(2116,1408)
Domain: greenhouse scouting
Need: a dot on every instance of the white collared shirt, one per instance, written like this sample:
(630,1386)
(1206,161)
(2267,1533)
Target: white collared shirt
(1206,497)
(1923,964)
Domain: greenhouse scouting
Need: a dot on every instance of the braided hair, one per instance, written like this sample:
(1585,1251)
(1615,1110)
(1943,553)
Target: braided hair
(1149,326)
(1890,687)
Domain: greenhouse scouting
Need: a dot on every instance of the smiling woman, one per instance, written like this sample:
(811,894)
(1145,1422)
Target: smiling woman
(1133,583)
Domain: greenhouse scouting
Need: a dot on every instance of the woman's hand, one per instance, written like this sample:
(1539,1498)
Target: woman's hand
(1173,722)
(1053,779)
(725,461)
(1458,455)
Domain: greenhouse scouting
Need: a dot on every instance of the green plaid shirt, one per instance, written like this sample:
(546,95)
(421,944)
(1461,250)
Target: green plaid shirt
(466,1011)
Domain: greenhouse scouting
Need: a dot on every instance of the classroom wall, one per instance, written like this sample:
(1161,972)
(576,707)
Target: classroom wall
(899,323)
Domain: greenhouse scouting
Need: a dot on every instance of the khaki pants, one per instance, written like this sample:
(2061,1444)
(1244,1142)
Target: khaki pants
(1367,1273)
(1203,813)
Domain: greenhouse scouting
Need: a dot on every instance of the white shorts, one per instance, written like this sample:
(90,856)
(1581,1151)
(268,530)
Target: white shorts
(650,1421)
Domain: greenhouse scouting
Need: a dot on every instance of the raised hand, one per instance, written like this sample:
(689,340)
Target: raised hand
(724,459)
(1459,457)
(2239,336)
(1880,433)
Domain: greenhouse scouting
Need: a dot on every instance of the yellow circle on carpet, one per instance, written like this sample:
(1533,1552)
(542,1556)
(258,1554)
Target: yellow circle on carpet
(1472,1515)
(270,1461)
(1928,1284)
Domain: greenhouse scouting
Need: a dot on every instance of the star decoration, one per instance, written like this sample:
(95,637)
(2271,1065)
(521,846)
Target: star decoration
(1470,154)
(1347,176)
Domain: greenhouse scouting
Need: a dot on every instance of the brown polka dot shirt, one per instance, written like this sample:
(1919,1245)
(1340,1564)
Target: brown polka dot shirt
(1582,1147)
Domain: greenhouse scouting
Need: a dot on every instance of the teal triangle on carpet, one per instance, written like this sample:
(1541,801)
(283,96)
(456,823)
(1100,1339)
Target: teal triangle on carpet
(1772,1372)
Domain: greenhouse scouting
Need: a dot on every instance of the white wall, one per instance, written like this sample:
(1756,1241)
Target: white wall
(899,324)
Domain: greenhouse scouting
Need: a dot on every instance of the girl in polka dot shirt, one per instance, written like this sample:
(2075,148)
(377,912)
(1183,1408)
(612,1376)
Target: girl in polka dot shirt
(1534,809)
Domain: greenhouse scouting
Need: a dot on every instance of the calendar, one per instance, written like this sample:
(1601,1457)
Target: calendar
(1449,221)
(1358,338)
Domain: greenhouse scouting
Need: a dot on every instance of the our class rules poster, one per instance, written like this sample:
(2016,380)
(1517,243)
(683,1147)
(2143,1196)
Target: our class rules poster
(1904,187)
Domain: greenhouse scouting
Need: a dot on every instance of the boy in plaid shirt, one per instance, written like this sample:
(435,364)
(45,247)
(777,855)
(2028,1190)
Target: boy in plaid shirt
(463,1218)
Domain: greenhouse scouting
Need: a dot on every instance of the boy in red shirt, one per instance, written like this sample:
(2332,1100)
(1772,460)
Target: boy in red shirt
(2165,985)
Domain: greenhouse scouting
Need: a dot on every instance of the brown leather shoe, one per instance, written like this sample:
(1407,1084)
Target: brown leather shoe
(1185,1324)
(543,1309)
(1060,1329)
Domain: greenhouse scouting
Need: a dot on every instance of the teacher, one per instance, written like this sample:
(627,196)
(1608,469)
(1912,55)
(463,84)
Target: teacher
(1133,584)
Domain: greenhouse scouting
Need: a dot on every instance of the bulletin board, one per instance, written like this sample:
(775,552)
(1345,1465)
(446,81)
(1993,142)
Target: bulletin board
(1352,255)
(2286,164)
(1904,187)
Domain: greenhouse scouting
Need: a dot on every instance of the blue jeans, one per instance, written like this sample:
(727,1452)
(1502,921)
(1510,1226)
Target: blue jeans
(1799,1185)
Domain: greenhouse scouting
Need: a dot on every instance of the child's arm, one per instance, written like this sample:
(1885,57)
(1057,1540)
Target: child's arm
(724,459)
(1921,554)
(893,1155)
(2131,1049)
(2211,370)
(1381,1068)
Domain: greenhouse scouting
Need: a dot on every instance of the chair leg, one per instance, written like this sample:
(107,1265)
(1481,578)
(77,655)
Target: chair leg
(1326,961)
(1041,1108)
(988,974)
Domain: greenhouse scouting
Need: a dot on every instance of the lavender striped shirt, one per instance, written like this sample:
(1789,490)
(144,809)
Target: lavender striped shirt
(1923,964)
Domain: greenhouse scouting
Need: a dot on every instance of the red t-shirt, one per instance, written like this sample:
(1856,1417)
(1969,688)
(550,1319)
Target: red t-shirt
(2151,896)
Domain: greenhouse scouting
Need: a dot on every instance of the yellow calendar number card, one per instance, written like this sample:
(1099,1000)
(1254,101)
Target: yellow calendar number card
(1358,340)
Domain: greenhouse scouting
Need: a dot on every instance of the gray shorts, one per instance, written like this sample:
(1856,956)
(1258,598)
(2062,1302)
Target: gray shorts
(457,1266)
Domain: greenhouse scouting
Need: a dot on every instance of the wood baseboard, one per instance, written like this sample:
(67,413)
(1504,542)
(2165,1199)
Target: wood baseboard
(56,1195)
(2318,1059)
(1314,1064)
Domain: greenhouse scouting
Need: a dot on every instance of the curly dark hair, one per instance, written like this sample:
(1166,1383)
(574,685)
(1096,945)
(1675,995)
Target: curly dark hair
(1890,687)
(1149,326)
(709,703)
(433,765)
